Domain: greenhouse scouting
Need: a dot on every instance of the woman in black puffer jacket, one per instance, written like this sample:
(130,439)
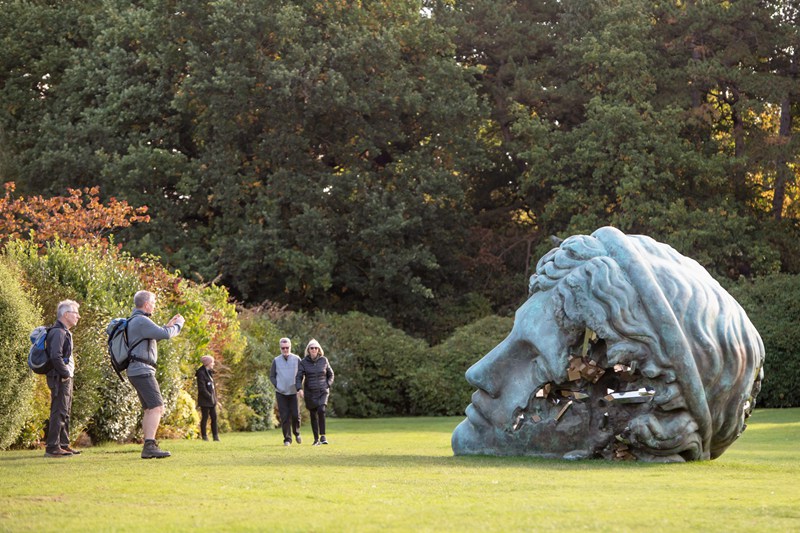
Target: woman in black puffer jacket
(318,375)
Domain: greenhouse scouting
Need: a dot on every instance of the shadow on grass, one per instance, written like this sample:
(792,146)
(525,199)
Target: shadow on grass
(415,461)
(8,458)
(25,455)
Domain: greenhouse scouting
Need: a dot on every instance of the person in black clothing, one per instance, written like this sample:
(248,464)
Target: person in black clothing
(317,373)
(59,380)
(207,396)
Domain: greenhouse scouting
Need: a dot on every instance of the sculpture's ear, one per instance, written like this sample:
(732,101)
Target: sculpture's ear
(556,241)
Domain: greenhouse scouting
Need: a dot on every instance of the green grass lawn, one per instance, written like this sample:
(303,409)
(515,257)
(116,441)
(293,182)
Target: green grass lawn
(400,475)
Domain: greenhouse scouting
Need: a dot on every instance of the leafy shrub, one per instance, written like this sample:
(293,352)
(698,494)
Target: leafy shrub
(103,281)
(212,326)
(372,362)
(79,218)
(773,305)
(63,271)
(183,422)
(438,386)
(260,397)
(252,403)
(118,411)
(97,281)
(34,429)
(239,417)
(18,316)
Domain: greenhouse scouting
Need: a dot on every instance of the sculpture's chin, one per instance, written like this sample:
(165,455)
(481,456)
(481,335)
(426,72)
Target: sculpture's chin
(468,440)
(476,436)
(548,438)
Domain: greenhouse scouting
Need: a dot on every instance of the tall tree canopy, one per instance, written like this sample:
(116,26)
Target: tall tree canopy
(306,152)
(656,117)
(409,158)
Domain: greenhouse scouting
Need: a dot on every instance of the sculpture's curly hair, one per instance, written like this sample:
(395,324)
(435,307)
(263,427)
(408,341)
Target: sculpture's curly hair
(663,310)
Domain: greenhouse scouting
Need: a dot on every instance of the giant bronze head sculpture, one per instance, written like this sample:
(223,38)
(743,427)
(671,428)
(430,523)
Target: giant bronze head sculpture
(625,349)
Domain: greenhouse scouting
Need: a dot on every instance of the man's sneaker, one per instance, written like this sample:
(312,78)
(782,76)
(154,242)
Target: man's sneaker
(323,440)
(316,443)
(70,450)
(151,450)
(216,439)
(58,452)
(287,443)
(205,438)
(298,439)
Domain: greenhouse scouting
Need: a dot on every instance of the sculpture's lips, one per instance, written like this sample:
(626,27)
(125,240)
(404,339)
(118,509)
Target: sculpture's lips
(482,403)
(475,416)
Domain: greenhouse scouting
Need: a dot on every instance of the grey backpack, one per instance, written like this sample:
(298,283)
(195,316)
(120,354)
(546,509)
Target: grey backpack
(118,350)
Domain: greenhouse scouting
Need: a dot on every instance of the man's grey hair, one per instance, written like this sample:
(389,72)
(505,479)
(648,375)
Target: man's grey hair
(285,340)
(142,297)
(66,306)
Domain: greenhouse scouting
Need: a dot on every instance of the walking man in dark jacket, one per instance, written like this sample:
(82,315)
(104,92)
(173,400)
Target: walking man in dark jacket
(207,396)
(282,375)
(59,380)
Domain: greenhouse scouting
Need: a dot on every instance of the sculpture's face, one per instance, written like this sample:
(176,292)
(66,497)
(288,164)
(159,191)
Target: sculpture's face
(671,378)
(535,353)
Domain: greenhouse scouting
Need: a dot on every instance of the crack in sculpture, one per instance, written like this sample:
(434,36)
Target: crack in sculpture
(625,349)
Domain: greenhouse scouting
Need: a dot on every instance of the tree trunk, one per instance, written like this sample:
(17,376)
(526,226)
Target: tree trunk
(784,175)
(739,168)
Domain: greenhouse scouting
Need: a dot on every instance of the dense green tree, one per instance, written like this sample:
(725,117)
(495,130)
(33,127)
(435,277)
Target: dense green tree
(725,47)
(515,52)
(373,364)
(38,40)
(405,162)
(346,126)
(641,175)
(786,62)
(731,60)
(649,116)
(306,152)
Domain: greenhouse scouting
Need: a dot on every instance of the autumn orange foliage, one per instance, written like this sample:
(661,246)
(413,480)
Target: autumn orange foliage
(77,219)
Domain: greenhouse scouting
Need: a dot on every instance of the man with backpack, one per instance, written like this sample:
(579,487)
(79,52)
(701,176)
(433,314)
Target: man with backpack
(142,368)
(58,346)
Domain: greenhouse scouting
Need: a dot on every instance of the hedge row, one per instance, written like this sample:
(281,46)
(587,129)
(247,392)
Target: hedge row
(18,316)
(773,305)
(103,281)
(380,370)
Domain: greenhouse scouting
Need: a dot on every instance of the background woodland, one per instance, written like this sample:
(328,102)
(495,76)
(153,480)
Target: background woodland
(383,175)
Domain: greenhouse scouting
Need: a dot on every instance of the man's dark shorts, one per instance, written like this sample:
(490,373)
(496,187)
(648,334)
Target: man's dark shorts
(147,388)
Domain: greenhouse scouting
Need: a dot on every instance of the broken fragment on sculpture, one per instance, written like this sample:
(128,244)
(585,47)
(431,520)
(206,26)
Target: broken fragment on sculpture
(625,349)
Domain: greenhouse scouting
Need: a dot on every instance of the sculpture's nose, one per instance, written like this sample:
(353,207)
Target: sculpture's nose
(487,373)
